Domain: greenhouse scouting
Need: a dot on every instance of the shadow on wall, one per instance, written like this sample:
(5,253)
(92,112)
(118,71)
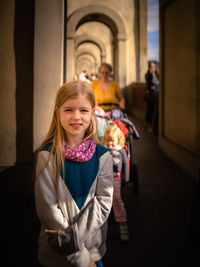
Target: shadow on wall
(23,45)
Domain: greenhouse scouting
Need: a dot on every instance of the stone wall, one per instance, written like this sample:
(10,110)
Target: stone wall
(7,85)
(179,93)
(136,103)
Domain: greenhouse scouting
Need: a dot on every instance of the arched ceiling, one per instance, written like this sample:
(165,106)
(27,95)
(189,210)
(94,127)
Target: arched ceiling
(99,18)
(80,39)
(96,13)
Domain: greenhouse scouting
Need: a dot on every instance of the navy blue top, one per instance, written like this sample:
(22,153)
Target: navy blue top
(79,176)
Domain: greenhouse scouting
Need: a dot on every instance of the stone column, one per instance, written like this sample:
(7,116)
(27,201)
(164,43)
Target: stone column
(48,63)
(122,62)
(103,57)
(143,61)
(70,59)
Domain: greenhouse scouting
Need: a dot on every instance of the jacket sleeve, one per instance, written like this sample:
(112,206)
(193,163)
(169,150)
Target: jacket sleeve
(94,215)
(50,214)
(46,200)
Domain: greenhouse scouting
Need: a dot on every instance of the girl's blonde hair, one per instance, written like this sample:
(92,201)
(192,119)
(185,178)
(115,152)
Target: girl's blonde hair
(114,131)
(56,134)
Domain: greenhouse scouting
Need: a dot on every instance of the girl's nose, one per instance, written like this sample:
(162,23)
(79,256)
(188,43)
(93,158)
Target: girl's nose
(76,115)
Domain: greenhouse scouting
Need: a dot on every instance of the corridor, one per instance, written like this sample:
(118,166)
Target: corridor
(162,216)
(47,43)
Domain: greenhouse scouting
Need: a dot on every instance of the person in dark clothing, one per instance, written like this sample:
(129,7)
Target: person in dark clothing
(151,97)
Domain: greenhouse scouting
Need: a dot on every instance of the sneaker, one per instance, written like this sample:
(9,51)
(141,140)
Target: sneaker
(124,233)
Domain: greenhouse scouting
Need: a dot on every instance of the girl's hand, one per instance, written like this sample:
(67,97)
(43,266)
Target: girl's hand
(53,240)
(92,263)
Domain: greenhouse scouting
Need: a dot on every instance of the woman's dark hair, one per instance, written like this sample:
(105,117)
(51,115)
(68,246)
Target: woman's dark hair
(106,65)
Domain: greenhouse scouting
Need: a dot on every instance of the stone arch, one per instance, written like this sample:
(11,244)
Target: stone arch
(85,52)
(95,59)
(114,21)
(92,39)
(88,60)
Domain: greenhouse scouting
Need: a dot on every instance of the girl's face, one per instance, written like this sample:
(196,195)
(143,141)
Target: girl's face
(111,141)
(104,73)
(75,117)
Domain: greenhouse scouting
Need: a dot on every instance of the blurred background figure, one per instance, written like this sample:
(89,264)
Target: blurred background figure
(107,91)
(93,77)
(151,98)
(84,76)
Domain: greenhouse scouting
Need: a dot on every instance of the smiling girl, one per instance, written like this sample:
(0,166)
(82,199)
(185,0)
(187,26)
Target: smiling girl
(74,183)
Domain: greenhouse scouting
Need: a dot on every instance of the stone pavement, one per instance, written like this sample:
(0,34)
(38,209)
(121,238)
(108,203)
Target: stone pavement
(163,216)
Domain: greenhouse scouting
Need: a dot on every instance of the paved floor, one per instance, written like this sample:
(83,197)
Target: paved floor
(163,216)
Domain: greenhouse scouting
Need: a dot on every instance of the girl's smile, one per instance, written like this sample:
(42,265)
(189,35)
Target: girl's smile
(76,125)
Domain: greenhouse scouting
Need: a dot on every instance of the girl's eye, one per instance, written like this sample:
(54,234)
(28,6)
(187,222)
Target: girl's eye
(84,110)
(68,110)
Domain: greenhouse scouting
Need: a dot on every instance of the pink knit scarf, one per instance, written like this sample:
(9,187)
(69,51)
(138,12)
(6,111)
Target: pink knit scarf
(81,153)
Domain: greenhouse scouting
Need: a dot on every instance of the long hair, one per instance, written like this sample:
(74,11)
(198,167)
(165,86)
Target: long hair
(56,135)
(114,131)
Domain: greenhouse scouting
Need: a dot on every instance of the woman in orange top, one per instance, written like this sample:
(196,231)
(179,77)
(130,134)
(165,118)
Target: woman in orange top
(106,90)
